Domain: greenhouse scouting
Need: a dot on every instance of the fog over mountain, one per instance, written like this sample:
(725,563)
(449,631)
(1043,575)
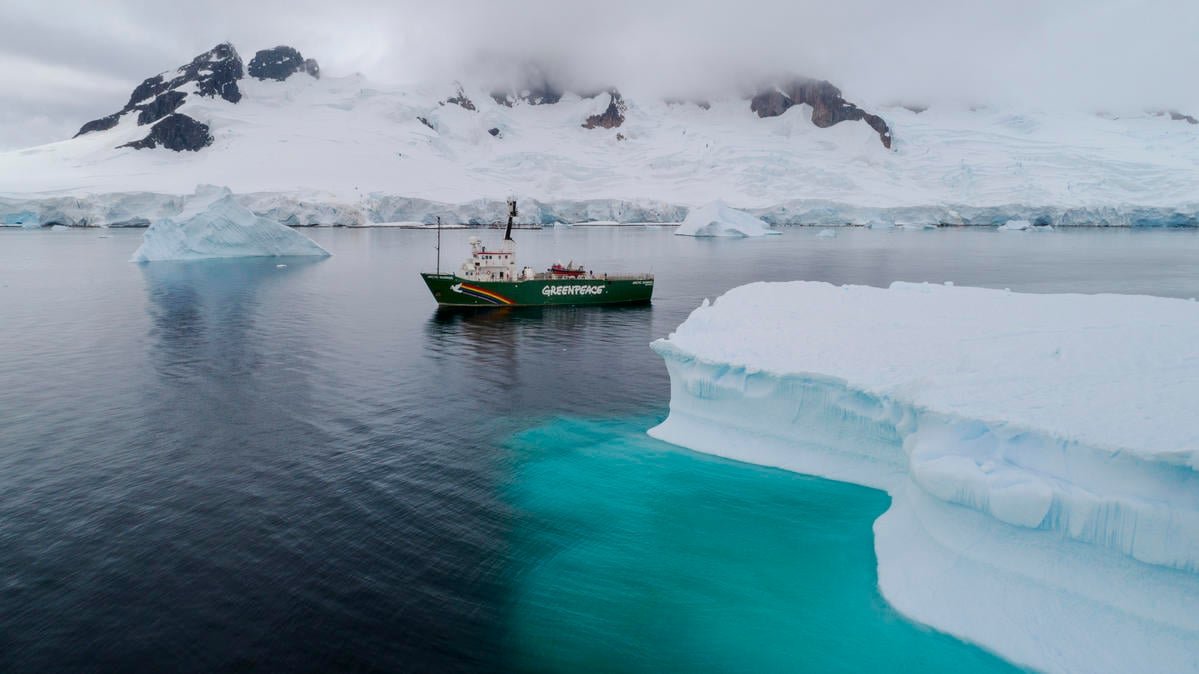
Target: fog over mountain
(64,62)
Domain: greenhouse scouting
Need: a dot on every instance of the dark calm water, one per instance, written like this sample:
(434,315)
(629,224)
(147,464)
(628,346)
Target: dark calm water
(232,466)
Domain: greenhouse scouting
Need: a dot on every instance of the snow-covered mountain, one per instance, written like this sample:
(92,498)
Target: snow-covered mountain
(312,149)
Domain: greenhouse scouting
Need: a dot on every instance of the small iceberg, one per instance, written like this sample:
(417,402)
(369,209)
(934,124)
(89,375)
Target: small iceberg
(717,219)
(1015,226)
(213,225)
(826,234)
(1024,226)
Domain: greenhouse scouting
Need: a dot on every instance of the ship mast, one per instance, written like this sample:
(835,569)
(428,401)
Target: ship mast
(511,216)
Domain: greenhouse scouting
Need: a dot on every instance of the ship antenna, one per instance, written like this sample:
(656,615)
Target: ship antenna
(439,244)
(511,216)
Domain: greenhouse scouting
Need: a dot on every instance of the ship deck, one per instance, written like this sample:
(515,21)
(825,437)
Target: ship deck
(543,276)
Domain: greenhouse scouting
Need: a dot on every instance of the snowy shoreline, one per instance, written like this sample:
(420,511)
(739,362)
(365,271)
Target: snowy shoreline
(140,209)
(1040,454)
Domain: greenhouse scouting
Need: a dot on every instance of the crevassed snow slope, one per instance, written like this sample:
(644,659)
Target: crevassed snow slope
(1042,451)
(214,225)
(337,140)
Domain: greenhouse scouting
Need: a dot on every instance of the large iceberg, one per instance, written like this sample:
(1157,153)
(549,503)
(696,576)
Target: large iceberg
(1041,451)
(717,219)
(214,225)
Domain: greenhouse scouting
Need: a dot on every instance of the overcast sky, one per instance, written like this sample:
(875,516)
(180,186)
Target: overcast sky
(65,62)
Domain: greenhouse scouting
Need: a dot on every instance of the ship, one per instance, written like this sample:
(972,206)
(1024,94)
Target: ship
(491,277)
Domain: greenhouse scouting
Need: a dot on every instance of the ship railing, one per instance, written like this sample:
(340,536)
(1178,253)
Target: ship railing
(626,277)
(543,276)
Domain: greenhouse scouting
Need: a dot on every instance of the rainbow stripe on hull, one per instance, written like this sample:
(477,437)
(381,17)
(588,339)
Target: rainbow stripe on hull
(481,293)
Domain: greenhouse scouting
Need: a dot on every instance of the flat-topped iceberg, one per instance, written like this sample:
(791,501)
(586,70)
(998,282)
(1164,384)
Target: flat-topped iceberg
(717,219)
(1041,451)
(213,225)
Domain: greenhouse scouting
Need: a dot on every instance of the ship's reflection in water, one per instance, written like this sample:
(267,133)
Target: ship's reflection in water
(519,359)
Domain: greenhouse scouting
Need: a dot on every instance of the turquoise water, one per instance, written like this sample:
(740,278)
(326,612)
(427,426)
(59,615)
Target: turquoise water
(639,556)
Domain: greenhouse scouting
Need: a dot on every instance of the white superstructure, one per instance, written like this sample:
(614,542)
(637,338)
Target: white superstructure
(493,265)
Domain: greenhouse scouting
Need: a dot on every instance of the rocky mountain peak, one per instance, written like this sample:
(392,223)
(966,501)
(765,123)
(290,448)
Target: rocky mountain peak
(1182,117)
(612,116)
(460,99)
(828,106)
(536,93)
(280,63)
(213,73)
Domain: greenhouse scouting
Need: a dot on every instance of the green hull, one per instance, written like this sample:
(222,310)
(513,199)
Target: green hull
(453,291)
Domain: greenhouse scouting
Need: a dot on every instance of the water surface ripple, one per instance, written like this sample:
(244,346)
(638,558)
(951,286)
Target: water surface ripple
(233,465)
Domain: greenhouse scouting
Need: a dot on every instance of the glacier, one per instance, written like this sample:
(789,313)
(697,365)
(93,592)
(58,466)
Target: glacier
(1041,451)
(717,219)
(214,225)
(348,151)
(321,208)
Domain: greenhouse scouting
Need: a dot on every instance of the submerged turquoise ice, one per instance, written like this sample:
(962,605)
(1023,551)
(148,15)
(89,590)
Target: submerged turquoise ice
(639,556)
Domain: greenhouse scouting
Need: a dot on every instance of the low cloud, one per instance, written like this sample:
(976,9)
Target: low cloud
(67,62)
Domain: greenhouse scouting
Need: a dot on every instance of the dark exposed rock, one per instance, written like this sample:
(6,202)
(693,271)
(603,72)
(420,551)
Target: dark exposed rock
(426,122)
(312,68)
(770,103)
(828,107)
(279,63)
(461,100)
(494,132)
(880,127)
(163,105)
(538,90)
(542,93)
(149,88)
(612,116)
(102,124)
(1178,116)
(175,132)
(699,102)
(215,73)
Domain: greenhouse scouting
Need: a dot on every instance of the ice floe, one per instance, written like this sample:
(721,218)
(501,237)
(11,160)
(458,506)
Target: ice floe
(1042,451)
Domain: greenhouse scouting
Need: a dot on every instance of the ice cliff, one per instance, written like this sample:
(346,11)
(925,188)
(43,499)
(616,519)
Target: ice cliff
(1041,451)
(214,225)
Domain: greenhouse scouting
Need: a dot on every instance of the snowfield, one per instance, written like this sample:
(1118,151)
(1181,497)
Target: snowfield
(1041,451)
(349,152)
